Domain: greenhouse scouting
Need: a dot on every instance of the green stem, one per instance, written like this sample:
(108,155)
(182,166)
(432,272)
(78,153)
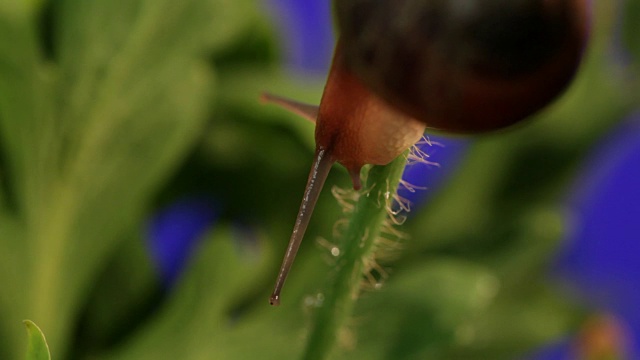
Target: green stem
(357,245)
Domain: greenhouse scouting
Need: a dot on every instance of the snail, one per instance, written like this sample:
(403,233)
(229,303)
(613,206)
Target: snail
(461,66)
(353,129)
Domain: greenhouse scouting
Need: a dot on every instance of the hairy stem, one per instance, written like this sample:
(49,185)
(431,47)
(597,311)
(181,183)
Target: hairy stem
(357,245)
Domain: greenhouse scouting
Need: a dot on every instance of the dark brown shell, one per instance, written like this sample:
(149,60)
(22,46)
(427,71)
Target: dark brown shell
(464,65)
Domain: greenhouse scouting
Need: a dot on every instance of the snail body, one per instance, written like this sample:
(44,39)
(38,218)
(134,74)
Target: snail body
(354,128)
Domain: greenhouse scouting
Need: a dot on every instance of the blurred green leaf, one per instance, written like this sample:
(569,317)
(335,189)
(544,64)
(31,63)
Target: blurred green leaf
(631,28)
(123,297)
(201,318)
(446,308)
(26,105)
(37,348)
(423,310)
(91,134)
(101,101)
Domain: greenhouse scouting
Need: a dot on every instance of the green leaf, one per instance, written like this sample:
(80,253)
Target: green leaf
(37,348)
(26,105)
(198,320)
(89,135)
(631,28)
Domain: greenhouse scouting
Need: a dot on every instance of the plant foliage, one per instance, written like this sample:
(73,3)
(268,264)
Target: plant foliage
(111,108)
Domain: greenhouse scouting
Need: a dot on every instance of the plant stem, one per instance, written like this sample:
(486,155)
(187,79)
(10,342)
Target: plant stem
(357,246)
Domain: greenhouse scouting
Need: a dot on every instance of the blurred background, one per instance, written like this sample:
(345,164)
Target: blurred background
(146,196)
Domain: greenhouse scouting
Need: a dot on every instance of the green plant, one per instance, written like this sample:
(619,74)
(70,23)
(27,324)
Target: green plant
(109,109)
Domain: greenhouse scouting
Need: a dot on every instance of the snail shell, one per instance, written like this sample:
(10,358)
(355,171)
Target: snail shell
(464,65)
